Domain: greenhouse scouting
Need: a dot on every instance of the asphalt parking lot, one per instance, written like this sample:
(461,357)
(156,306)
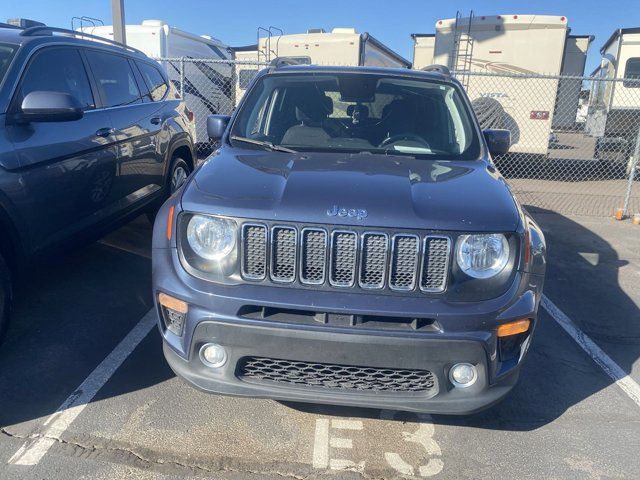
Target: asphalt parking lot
(567,418)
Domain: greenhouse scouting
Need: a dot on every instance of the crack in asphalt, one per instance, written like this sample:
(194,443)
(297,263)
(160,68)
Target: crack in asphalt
(161,464)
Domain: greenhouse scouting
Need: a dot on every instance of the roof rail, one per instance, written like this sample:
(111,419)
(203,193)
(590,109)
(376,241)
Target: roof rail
(34,31)
(438,69)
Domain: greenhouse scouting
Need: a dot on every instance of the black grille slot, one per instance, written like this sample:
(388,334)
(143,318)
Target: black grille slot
(332,376)
(435,264)
(344,248)
(283,254)
(404,262)
(373,260)
(254,246)
(314,256)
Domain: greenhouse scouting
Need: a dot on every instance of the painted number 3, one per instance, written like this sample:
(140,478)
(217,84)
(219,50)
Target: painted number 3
(423,436)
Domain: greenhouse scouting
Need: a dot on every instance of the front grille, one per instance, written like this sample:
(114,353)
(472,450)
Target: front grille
(404,262)
(435,263)
(374,261)
(344,247)
(254,261)
(283,254)
(314,256)
(345,377)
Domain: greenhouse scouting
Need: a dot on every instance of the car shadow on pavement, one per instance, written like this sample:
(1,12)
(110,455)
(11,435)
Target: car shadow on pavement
(583,281)
(69,313)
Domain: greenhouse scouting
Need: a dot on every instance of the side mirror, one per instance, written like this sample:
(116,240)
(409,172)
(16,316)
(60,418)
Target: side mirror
(216,125)
(498,141)
(44,106)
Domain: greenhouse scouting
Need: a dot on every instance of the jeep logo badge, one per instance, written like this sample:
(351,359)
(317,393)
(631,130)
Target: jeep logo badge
(336,211)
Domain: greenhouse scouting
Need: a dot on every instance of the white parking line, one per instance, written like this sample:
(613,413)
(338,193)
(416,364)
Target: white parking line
(611,368)
(321,444)
(32,451)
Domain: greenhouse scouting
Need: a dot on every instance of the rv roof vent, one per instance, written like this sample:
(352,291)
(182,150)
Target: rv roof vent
(438,69)
(24,23)
(316,30)
(154,23)
(344,30)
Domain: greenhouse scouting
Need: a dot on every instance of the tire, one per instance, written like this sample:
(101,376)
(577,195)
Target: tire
(179,171)
(178,174)
(489,112)
(5,296)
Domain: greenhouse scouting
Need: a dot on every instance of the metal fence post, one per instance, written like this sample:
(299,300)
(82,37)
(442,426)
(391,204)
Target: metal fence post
(182,77)
(632,175)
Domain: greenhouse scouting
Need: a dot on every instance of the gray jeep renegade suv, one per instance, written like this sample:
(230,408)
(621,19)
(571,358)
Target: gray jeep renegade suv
(351,242)
(91,134)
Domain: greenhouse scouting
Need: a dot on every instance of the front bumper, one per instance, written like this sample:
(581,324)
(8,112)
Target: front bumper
(464,333)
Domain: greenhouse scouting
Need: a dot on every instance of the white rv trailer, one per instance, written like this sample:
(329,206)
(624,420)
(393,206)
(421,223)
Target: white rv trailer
(424,45)
(614,107)
(568,100)
(208,87)
(244,72)
(341,46)
(510,44)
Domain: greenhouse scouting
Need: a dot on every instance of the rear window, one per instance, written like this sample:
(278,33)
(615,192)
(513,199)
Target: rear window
(115,79)
(6,55)
(154,80)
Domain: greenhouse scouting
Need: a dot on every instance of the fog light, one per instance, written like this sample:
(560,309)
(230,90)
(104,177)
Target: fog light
(213,355)
(463,375)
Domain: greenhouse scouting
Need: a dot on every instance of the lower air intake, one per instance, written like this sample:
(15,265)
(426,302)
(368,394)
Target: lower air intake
(344,377)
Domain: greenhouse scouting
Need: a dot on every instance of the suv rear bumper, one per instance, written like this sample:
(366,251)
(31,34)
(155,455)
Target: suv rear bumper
(465,334)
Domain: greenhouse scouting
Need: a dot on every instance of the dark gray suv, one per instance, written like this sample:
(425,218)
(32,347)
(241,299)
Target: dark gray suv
(351,242)
(91,133)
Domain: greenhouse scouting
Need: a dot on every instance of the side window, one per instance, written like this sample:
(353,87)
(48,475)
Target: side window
(154,80)
(632,72)
(115,78)
(57,70)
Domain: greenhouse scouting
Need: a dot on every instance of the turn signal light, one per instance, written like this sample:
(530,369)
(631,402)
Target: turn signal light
(174,313)
(170,222)
(173,303)
(514,328)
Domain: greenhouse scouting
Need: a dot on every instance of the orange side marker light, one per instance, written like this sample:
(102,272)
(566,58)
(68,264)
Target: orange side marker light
(173,303)
(170,223)
(514,328)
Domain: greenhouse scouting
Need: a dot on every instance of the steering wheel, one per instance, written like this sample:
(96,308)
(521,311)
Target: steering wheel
(404,136)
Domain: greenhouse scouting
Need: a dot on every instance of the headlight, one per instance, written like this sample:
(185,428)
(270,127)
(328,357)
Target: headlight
(482,256)
(211,238)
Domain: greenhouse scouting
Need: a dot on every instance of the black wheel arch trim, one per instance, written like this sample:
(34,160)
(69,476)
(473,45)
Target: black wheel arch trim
(181,139)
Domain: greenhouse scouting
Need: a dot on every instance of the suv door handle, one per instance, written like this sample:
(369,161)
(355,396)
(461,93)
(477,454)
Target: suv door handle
(105,132)
(156,120)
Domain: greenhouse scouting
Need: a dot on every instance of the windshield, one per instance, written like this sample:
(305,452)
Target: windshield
(356,112)
(6,54)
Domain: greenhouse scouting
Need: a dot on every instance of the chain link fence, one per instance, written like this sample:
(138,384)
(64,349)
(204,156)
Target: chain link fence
(209,87)
(575,141)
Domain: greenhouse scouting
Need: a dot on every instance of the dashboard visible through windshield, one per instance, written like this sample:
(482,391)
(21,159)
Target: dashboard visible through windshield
(356,112)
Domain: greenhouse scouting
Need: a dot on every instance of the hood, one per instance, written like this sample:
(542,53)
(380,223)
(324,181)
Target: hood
(353,189)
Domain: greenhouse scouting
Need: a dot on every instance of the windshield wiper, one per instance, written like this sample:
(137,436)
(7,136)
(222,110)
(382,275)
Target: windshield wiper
(261,143)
